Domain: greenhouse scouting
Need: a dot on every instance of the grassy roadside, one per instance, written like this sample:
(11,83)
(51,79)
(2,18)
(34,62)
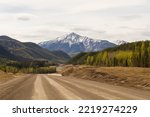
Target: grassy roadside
(7,76)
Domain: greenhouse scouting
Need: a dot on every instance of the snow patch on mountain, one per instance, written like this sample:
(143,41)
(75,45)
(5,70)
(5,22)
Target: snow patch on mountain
(120,42)
(74,43)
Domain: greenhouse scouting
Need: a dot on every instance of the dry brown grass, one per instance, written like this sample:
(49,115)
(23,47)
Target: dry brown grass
(124,76)
(7,76)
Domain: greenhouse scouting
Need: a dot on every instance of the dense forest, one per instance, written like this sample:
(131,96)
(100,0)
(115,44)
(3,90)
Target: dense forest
(27,67)
(136,54)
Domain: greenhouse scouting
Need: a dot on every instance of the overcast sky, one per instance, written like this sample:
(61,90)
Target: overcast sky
(40,20)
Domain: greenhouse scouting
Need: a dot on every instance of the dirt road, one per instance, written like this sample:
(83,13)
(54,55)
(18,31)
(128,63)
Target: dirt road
(50,87)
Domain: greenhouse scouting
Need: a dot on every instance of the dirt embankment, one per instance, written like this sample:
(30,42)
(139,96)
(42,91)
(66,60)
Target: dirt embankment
(123,76)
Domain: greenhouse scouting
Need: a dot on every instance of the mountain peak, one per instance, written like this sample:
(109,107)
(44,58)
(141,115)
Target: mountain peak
(72,36)
(74,43)
(73,33)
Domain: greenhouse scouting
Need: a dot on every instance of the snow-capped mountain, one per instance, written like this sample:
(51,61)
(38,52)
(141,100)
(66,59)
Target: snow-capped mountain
(74,43)
(120,42)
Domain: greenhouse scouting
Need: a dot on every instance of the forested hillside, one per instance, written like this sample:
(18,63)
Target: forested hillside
(19,51)
(136,54)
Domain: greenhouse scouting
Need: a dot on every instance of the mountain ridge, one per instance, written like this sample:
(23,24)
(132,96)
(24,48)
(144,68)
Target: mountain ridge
(74,43)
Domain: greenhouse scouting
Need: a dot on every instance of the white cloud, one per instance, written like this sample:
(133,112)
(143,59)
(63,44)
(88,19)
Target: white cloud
(40,20)
(24,17)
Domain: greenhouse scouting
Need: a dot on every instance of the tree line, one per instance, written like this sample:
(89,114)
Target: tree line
(27,67)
